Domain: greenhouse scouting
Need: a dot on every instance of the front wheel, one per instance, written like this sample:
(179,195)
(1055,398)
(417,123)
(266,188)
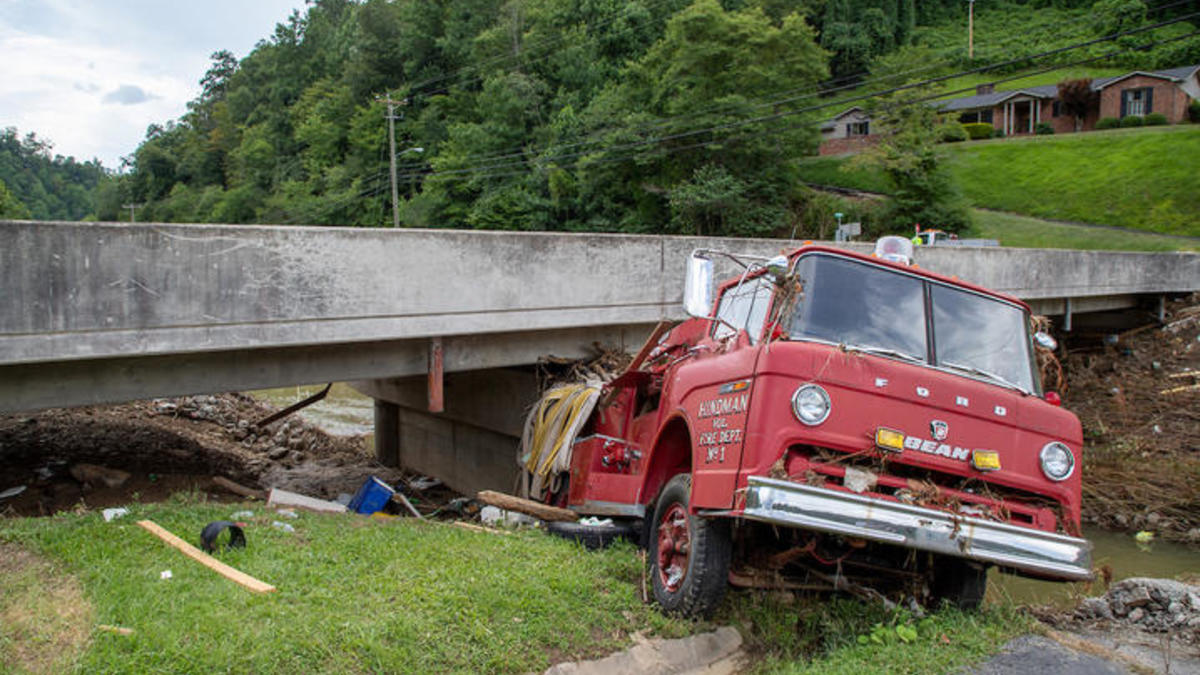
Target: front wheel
(689,555)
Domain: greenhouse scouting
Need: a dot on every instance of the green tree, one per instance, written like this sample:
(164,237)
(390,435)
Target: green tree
(10,206)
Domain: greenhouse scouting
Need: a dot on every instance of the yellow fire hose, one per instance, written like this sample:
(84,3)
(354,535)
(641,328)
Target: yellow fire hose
(550,430)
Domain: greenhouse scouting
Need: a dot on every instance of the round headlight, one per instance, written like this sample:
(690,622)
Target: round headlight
(811,404)
(1057,461)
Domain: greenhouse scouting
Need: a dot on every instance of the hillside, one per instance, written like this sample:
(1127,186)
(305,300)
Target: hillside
(1142,179)
(655,116)
(49,187)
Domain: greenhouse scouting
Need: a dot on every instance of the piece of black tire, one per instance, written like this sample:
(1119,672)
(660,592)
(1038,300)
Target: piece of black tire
(958,582)
(208,536)
(593,537)
(711,548)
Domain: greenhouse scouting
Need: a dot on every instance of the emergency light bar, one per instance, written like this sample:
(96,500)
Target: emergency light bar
(894,249)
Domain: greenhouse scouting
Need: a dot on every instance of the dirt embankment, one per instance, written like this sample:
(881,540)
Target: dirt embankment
(71,457)
(1138,398)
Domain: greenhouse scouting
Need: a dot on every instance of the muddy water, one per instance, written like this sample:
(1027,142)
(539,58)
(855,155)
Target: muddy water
(344,411)
(1115,549)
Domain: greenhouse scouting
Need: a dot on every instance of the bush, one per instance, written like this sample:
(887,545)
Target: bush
(997,133)
(1108,123)
(1043,129)
(953,133)
(978,130)
(1156,120)
(1132,121)
(1194,111)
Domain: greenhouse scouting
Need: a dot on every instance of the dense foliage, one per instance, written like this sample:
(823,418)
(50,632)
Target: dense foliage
(36,184)
(682,116)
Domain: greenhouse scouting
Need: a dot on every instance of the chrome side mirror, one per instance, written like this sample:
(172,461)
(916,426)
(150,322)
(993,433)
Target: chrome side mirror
(777,267)
(698,286)
(1045,341)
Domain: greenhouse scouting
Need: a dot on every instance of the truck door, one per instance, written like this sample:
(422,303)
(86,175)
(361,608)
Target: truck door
(721,392)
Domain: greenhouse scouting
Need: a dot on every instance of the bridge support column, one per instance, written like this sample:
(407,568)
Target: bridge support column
(387,432)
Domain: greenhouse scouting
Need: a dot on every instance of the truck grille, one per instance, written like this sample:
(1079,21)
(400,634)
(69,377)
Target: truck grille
(966,495)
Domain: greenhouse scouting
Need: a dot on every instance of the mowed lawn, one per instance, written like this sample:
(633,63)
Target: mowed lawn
(1144,179)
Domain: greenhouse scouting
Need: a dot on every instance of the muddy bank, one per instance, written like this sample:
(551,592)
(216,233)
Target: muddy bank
(1137,395)
(169,445)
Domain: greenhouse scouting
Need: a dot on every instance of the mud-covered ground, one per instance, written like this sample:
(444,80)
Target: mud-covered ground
(76,458)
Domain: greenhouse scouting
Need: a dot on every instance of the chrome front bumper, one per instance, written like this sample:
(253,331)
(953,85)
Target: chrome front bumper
(1036,552)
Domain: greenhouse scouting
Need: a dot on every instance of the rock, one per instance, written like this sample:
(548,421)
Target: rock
(1138,596)
(277,453)
(295,456)
(1122,520)
(295,442)
(1094,608)
(92,474)
(1152,518)
(1137,615)
(1193,535)
(240,433)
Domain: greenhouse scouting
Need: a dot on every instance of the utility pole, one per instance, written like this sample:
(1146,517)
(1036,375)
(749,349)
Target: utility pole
(970,29)
(391,118)
(132,208)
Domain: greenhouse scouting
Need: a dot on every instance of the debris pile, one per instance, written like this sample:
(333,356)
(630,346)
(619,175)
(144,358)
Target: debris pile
(1137,395)
(1150,605)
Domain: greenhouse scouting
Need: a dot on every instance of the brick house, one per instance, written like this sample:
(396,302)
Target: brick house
(1018,112)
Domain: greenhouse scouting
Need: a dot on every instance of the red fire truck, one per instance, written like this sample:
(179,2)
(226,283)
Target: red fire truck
(833,418)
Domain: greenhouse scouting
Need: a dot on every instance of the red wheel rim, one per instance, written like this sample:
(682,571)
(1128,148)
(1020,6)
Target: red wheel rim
(674,547)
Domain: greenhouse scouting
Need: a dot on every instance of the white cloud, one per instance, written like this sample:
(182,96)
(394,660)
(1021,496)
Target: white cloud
(65,57)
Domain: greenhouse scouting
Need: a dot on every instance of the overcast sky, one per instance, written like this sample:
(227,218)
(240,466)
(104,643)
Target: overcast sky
(91,75)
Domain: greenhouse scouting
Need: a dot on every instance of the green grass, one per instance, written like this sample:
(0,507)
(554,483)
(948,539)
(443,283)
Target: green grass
(1021,231)
(357,595)
(1142,179)
(353,595)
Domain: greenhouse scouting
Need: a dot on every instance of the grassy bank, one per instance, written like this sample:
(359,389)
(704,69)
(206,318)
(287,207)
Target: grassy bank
(1142,179)
(355,594)
(1022,231)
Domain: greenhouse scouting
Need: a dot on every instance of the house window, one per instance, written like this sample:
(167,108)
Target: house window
(1138,101)
(974,116)
(858,128)
(1056,109)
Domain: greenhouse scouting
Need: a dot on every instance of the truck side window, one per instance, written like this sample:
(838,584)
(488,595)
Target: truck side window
(744,307)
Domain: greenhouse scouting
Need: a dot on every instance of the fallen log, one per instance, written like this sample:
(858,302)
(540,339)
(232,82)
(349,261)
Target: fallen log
(237,488)
(526,506)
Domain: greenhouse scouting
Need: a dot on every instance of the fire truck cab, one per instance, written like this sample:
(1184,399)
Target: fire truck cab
(828,417)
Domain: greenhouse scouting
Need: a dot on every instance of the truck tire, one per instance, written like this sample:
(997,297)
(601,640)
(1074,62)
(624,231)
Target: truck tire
(688,555)
(958,582)
(593,537)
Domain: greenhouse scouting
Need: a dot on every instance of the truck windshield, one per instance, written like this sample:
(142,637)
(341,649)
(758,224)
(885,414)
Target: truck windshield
(880,310)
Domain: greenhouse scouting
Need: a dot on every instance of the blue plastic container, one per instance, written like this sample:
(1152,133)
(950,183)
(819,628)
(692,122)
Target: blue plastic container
(371,497)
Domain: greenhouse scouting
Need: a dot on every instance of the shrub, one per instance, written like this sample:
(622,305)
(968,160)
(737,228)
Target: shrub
(1194,111)
(1132,121)
(997,133)
(953,133)
(1043,129)
(1108,123)
(978,130)
(1156,120)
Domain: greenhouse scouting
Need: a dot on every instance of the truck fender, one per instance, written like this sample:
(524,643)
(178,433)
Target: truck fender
(671,455)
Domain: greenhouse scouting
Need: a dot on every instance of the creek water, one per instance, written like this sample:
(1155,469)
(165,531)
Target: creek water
(345,412)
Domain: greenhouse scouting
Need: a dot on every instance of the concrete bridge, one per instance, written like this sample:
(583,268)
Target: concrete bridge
(100,313)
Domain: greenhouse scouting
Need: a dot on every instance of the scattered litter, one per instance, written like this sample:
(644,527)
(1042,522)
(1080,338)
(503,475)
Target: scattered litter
(210,533)
(371,497)
(165,574)
(112,514)
(1157,429)
(282,526)
(1144,539)
(278,497)
(236,576)
(13,491)
(858,480)
(490,515)
(287,513)
(380,515)
(399,496)
(593,521)
(119,630)
(536,509)
(344,498)
(239,515)
(44,472)
(423,483)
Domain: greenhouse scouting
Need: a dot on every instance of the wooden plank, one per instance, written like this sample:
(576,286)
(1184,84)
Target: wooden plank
(236,576)
(535,509)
